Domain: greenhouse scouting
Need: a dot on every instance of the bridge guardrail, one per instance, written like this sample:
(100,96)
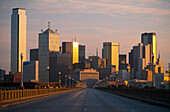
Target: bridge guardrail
(8,95)
(151,93)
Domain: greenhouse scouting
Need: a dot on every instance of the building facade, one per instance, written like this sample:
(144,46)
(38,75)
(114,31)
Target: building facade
(97,62)
(33,54)
(110,52)
(150,38)
(122,59)
(59,63)
(106,72)
(30,71)
(13,78)
(73,49)
(87,75)
(2,75)
(81,53)
(18,38)
(49,41)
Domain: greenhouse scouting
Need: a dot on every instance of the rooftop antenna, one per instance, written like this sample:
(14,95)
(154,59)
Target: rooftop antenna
(159,54)
(97,52)
(48,25)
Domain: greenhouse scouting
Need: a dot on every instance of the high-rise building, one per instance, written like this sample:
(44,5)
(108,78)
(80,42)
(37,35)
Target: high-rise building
(49,41)
(59,63)
(73,49)
(33,54)
(122,62)
(133,61)
(81,53)
(122,59)
(139,58)
(150,38)
(110,52)
(67,47)
(18,38)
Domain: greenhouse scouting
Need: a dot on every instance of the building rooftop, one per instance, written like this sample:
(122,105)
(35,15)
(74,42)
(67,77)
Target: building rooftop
(49,31)
(19,8)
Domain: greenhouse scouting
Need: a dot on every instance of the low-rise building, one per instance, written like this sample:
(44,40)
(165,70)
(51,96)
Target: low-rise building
(87,75)
(106,72)
(30,71)
(13,78)
(2,74)
(82,65)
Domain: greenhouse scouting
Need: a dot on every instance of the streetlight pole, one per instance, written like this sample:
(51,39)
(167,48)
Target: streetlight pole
(65,81)
(106,82)
(70,82)
(128,76)
(110,80)
(48,85)
(59,79)
(153,75)
(21,55)
(116,80)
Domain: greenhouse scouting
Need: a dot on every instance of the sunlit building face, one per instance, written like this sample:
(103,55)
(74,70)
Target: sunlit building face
(150,38)
(18,38)
(75,52)
(111,53)
(154,48)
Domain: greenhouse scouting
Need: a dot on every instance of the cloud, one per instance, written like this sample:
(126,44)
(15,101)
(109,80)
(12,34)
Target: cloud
(94,7)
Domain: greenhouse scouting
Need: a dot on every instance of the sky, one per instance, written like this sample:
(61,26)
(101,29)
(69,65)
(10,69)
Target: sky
(91,22)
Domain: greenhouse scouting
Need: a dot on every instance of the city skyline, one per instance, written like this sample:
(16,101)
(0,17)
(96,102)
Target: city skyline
(111,24)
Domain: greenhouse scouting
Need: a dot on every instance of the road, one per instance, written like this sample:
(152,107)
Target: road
(86,100)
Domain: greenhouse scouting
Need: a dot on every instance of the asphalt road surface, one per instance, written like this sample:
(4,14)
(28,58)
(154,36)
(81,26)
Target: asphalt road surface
(86,100)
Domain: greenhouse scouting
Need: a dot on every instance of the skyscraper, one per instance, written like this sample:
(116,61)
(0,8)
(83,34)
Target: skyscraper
(110,52)
(18,38)
(59,63)
(81,53)
(150,38)
(71,48)
(139,58)
(122,59)
(49,41)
